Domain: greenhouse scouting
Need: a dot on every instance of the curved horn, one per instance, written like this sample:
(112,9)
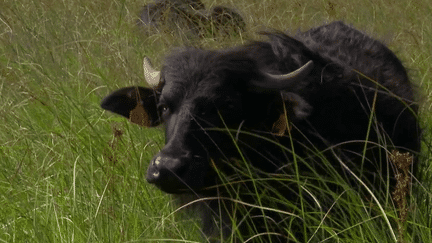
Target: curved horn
(151,75)
(285,81)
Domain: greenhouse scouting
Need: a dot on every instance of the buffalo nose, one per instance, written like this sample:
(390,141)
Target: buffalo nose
(164,170)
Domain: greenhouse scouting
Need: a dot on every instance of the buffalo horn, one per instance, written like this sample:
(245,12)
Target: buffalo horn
(151,75)
(285,81)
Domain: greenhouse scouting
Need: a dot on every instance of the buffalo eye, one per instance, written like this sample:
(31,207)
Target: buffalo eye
(163,109)
(207,110)
(203,113)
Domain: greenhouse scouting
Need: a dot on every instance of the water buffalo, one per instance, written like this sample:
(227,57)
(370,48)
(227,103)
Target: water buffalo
(190,16)
(276,107)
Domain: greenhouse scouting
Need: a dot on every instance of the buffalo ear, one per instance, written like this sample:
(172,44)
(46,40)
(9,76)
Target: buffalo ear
(294,108)
(138,104)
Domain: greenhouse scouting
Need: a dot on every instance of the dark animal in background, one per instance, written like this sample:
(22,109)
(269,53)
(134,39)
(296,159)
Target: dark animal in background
(190,17)
(226,20)
(316,91)
(154,14)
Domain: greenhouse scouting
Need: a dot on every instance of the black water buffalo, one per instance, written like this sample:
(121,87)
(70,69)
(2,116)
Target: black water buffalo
(177,11)
(275,108)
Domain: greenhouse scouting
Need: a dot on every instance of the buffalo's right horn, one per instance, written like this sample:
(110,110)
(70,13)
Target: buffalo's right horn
(284,81)
(151,75)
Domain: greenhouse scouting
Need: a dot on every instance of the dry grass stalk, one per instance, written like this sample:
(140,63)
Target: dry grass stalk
(403,162)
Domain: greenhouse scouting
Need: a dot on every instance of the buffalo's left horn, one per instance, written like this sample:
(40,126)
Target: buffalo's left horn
(285,81)
(151,75)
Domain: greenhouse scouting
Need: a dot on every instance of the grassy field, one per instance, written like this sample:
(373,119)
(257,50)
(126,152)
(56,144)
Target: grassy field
(71,172)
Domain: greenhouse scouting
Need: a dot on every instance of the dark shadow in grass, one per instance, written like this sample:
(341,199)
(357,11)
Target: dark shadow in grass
(190,18)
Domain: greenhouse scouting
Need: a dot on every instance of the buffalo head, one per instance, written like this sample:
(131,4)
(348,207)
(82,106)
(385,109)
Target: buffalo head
(205,98)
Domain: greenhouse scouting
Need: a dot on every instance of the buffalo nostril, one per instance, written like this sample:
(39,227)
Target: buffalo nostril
(157,161)
(165,170)
(154,170)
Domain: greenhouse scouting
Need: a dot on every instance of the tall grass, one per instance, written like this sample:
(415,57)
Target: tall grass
(73,173)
